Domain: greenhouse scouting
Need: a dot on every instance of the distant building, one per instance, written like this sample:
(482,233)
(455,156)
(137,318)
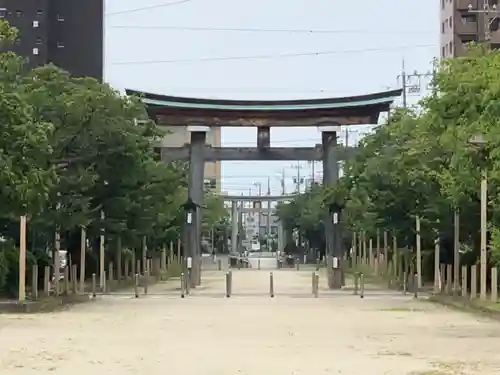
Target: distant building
(274,221)
(460,25)
(67,33)
(179,136)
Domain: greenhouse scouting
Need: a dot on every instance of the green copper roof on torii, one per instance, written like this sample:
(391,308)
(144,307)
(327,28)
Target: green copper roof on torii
(156,100)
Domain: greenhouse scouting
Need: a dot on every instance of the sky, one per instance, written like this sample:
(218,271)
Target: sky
(269,50)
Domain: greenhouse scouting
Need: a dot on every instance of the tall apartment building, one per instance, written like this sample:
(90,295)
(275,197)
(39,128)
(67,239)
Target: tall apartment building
(180,136)
(67,33)
(465,21)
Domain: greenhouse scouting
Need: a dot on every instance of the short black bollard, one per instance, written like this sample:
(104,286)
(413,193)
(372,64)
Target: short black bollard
(94,285)
(187,281)
(362,285)
(313,283)
(258,264)
(228,284)
(316,285)
(405,283)
(356,283)
(219,262)
(298,266)
(136,285)
(271,285)
(415,286)
(183,285)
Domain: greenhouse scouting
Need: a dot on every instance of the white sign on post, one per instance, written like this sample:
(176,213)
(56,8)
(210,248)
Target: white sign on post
(189,262)
(335,218)
(335,263)
(189,218)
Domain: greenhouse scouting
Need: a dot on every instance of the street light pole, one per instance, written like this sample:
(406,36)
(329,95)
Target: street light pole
(484,207)
(259,186)
(269,209)
(480,143)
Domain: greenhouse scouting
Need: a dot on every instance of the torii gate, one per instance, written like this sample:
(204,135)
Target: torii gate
(326,114)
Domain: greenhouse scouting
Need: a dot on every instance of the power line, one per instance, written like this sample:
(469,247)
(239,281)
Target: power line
(272,56)
(275,175)
(264,30)
(350,131)
(146,8)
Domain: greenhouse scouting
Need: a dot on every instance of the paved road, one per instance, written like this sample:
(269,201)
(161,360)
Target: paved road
(250,333)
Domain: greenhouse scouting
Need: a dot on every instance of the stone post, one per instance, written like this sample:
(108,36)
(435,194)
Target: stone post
(473,281)
(494,285)
(464,281)
(34,282)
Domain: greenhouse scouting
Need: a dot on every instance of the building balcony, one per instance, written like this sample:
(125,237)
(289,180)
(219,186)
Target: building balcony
(464,4)
(495,37)
(466,27)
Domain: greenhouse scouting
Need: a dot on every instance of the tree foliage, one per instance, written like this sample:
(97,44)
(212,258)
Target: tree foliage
(73,156)
(420,162)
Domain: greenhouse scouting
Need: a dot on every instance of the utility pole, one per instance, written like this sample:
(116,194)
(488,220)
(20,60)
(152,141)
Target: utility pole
(298,180)
(412,83)
(313,172)
(403,79)
(283,189)
(259,186)
(269,208)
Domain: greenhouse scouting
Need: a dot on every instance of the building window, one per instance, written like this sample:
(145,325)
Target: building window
(38,41)
(443,52)
(60,45)
(35,51)
(36,24)
(468,18)
(60,18)
(210,184)
(450,47)
(3,13)
(442,4)
(39,12)
(450,22)
(442,28)
(468,39)
(19,13)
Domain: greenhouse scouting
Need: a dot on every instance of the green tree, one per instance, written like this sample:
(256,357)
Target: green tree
(419,163)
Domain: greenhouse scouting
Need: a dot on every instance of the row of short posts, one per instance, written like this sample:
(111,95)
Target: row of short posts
(414,284)
(70,281)
(229,284)
(147,275)
(359,284)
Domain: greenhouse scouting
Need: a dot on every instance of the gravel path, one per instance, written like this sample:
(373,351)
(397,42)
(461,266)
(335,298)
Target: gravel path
(251,333)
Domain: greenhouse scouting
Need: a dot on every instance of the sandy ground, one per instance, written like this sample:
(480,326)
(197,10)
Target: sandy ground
(251,333)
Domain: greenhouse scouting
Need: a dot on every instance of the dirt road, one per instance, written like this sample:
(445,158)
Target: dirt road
(251,333)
